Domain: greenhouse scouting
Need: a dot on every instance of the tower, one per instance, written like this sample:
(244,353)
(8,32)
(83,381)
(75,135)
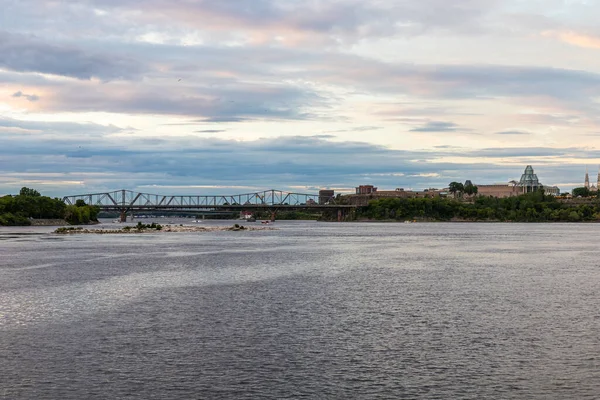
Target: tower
(587,179)
(598,181)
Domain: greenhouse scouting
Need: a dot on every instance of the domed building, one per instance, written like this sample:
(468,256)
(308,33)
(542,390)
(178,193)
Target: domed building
(528,183)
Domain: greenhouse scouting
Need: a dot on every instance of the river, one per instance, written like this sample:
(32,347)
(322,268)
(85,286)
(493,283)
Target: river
(310,310)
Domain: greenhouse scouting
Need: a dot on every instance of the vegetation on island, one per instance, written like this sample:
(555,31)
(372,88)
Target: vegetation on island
(154,228)
(30,204)
(142,227)
(530,207)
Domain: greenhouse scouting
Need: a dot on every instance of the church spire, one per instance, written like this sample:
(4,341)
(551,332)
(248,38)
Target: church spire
(587,179)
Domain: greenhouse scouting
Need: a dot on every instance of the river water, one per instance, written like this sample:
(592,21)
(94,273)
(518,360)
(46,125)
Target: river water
(311,310)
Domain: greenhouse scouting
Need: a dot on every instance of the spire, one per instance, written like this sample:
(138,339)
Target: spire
(587,179)
(598,181)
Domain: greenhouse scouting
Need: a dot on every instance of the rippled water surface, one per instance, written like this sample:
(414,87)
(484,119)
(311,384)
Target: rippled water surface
(312,310)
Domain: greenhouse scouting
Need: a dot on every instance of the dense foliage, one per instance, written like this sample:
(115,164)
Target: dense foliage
(19,209)
(532,207)
(81,214)
(584,192)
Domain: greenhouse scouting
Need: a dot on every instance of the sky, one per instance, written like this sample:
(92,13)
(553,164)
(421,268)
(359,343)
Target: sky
(235,96)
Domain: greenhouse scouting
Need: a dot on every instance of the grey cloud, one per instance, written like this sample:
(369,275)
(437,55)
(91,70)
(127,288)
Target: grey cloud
(27,53)
(38,129)
(336,20)
(29,97)
(437,126)
(524,152)
(210,105)
(264,65)
(211,131)
(513,133)
(274,162)
(357,129)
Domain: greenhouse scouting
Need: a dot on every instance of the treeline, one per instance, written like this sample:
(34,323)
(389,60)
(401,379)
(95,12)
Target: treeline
(19,209)
(531,207)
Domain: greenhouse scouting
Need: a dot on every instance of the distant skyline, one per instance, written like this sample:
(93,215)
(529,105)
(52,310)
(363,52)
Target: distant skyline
(241,95)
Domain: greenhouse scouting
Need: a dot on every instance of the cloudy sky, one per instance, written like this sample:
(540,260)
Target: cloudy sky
(231,96)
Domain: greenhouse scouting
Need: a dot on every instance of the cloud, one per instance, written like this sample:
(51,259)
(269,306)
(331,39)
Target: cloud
(357,129)
(575,38)
(301,23)
(29,97)
(245,102)
(211,131)
(513,133)
(40,130)
(213,70)
(27,53)
(437,126)
(292,84)
(101,162)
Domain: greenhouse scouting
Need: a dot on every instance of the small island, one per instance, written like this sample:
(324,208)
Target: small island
(156,228)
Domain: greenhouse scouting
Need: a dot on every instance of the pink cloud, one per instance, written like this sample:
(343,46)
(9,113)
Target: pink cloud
(575,38)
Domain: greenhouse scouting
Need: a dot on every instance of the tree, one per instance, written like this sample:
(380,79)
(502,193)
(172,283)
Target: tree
(80,203)
(456,187)
(470,189)
(581,192)
(25,191)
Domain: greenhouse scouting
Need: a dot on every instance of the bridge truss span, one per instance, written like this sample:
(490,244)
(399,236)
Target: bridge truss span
(130,200)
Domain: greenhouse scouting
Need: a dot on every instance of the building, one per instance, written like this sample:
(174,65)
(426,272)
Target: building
(586,183)
(528,183)
(552,190)
(366,189)
(326,195)
(362,199)
(499,190)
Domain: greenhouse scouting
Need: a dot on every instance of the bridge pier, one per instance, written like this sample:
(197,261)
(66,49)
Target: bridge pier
(123,215)
(273,213)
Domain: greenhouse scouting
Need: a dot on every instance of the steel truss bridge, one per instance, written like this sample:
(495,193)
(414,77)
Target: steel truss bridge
(274,200)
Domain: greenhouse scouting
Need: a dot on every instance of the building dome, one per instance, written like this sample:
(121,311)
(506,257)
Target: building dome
(529,180)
